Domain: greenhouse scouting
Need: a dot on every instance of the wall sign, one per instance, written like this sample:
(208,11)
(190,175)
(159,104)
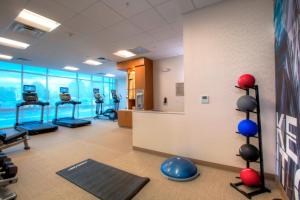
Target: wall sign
(287,48)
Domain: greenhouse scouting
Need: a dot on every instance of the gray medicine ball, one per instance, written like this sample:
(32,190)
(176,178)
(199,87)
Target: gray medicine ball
(246,103)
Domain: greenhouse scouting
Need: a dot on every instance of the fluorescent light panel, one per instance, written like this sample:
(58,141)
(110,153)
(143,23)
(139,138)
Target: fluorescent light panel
(92,62)
(5,57)
(37,21)
(71,68)
(13,43)
(124,54)
(109,75)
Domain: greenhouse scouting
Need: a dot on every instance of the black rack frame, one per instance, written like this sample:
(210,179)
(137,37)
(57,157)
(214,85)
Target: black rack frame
(262,188)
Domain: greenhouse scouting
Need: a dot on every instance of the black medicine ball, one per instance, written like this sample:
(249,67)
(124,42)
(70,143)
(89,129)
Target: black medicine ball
(246,103)
(249,152)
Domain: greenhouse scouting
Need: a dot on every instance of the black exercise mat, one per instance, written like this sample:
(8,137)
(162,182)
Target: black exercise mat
(103,181)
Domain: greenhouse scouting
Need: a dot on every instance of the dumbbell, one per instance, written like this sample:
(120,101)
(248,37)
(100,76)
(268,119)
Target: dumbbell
(7,167)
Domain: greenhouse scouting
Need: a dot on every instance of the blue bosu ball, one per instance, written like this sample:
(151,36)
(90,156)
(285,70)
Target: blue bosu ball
(179,169)
(247,128)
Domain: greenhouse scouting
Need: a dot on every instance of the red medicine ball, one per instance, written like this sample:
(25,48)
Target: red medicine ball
(246,81)
(250,177)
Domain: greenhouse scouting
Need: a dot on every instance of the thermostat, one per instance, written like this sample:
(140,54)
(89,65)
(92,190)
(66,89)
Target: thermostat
(204,99)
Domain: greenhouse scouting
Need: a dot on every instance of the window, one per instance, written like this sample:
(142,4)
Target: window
(32,112)
(48,83)
(10,90)
(54,84)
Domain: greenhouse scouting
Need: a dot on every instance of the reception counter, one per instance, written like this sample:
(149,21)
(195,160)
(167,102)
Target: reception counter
(158,131)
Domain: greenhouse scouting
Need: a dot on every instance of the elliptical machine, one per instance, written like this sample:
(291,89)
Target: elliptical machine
(111,114)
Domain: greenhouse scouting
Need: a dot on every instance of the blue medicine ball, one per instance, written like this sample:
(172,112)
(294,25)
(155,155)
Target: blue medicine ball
(247,128)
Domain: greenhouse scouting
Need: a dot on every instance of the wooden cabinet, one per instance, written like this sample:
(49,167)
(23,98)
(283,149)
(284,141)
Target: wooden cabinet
(140,77)
(125,118)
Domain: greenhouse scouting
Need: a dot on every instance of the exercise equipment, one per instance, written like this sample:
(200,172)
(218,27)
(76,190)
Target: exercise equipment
(111,114)
(8,172)
(247,128)
(70,122)
(179,169)
(246,103)
(246,81)
(249,152)
(250,177)
(11,137)
(30,97)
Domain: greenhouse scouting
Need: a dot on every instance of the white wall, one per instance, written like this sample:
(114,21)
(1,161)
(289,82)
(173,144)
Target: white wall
(164,83)
(122,90)
(221,42)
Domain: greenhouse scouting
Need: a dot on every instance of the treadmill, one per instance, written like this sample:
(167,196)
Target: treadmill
(70,122)
(30,97)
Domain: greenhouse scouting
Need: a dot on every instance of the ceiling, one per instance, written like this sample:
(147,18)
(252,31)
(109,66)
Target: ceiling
(97,28)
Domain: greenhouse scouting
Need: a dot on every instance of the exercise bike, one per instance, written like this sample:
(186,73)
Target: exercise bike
(111,114)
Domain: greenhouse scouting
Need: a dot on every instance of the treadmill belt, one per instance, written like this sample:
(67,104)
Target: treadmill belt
(104,181)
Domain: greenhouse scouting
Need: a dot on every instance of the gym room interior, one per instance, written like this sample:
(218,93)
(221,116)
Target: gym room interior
(149,99)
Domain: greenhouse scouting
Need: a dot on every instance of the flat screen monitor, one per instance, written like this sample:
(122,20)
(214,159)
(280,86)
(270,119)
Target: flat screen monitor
(96,90)
(64,90)
(29,88)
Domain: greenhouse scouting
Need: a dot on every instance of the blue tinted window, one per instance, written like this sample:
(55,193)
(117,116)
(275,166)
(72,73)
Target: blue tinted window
(10,95)
(10,66)
(86,98)
(54,72)
(98,78)
(84,76)
(35,70)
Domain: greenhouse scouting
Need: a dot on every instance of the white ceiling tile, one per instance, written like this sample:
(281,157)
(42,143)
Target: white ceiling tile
(185,5)
(50,9)
(203,3)
(170,11)
(148,20)
(103,14)
(82,25)
(157,2)
(162,33)
(128,8)
(76,5)
(118,32)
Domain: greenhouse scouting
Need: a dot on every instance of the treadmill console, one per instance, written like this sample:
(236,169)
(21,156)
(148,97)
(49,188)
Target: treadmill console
(29,93)
(115,97)
(64,94)
(97,95)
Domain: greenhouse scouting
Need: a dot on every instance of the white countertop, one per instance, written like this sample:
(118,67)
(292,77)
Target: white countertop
(158,112)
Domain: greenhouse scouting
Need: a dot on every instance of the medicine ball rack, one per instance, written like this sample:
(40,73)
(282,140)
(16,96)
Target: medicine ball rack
(262,188)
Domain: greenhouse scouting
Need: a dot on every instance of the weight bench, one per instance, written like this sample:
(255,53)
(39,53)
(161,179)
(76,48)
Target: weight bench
(12,137)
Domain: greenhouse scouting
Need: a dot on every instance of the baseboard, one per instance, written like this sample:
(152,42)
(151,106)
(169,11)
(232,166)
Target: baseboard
(201,162)
(282,191)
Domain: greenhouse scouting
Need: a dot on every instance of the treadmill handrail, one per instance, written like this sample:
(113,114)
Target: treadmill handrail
(67,102)
(40,103)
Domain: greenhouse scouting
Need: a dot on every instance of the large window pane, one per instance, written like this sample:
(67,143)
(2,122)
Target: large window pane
(10,66)
(86,98)
(10,95)
(32,112)
(36,70)
(60,73)
(54,83)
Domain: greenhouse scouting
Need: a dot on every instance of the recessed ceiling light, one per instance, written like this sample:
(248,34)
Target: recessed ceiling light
(124,54)
(13,43)
(110,75)
(92,62)
(37,21)
(71,68)
(5,57)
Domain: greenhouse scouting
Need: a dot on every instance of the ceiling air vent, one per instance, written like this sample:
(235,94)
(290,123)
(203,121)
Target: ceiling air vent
(23,29)
(23,59)
(139,50)
(104,60)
